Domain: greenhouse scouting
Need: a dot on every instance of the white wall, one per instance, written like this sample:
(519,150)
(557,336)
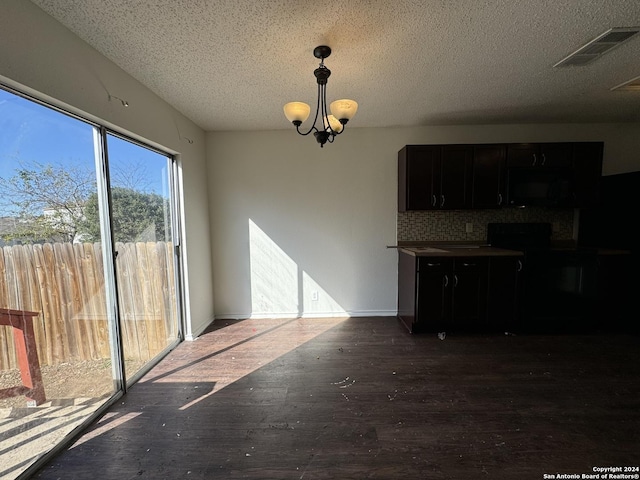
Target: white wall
(39,56)
(289,218)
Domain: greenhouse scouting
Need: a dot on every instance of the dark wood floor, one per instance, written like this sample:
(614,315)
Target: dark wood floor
(361,398)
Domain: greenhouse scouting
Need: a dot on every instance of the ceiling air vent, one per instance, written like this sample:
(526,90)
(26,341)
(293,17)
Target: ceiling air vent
(632,85)
(598,46)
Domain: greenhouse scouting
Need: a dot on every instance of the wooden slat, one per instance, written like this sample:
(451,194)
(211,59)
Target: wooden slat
(34,301)
(7,348)
(59,340)
(84,314)
(164,251)
(129,291)
(99,297)
(152,300)
(66,298)
(49,314)
(144,302)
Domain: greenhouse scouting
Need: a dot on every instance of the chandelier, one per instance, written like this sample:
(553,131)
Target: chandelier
(341,110)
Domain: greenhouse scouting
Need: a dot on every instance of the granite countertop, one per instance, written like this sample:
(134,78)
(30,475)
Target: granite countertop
(476,249)
(458,250)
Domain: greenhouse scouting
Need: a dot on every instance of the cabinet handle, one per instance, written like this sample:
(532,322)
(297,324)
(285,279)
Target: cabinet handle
(442,200)
(535,159)
(433,264)
(499,199)
(544,159)
(464,264)
(455,280)
(446,281)
(519,266)
(433,200)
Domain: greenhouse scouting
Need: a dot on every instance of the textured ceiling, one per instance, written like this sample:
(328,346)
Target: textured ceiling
(232,64)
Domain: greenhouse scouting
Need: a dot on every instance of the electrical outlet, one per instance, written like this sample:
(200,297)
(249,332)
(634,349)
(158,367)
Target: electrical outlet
(314,295)
(469,227)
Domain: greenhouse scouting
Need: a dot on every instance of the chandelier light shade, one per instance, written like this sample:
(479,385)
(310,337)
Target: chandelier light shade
(297,111)
(341,110)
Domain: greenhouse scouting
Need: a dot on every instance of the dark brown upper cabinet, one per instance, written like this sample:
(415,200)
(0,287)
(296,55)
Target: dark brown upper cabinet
(434,177)
(456,177)
(418,165)
(487,189)
(541,155)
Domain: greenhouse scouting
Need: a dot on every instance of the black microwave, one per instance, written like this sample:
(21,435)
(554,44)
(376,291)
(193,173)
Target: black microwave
(540,187)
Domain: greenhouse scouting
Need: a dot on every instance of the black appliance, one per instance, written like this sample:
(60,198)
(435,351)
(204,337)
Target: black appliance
(540,187)
(558,286)
(611,224)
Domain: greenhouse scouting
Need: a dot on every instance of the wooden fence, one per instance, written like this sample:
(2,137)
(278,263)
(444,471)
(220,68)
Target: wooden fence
(65,283)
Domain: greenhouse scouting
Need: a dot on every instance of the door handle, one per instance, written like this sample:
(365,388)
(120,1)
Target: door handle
(445,279)
(433,200)
(499,199)
(535,159)
(455,281)
(464,264)
(442,200)
(519,266)
(433,264)
(544,159)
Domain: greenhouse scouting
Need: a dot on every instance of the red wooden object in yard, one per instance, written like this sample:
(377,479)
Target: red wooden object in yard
(25,341)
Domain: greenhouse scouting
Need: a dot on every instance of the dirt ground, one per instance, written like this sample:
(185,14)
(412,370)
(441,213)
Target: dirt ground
(82,379)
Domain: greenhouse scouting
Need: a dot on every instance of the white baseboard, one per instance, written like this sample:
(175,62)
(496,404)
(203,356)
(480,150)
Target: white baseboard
(190,337)
(355,313)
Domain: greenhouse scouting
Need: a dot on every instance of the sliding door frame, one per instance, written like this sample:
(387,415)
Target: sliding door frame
(109,255)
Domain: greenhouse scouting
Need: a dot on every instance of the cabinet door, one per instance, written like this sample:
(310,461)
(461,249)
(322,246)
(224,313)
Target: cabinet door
(407,268)
(488,176)
(587,173)
(550,155)
(522,155)
(455,177)
(555,155)
(503,293)
(418,177)
(469,293)
(433,306)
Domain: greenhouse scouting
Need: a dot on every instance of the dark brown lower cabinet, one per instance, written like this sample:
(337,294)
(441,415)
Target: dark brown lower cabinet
(504,291)
(470,294)
(433,293)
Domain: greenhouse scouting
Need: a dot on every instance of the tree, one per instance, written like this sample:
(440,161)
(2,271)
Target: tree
(47,201)
(136,216)
(56,202)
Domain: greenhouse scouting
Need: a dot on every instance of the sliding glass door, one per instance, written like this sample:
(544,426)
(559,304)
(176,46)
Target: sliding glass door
(88,272)
(141,203)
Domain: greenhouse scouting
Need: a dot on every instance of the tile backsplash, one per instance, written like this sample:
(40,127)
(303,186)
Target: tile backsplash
(451,225)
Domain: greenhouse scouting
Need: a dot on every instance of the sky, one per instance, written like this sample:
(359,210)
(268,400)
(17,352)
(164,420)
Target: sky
(30,132)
